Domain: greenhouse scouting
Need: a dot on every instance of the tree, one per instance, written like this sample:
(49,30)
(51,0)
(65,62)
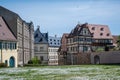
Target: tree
(35,60)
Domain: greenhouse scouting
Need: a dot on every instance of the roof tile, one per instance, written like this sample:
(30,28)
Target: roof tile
(5,33)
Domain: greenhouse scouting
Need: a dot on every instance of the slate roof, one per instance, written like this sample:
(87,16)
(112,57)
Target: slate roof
(76,31)
(39,37)
(5,32)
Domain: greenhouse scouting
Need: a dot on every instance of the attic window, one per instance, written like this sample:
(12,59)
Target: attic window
(101,34)
(40,40)
(101,29)
(108,34)
(92,34)
(93,28)
(50,39)
(3,34)
(36,35)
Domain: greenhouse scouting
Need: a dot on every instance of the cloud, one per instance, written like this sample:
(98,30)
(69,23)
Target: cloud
(60,17)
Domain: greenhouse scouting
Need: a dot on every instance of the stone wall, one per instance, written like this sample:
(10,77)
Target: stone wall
(110,57)
(78,58)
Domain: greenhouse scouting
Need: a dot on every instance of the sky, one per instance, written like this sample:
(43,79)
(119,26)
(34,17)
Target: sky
(61,16)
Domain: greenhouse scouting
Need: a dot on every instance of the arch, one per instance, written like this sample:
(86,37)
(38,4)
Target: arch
(12,61)
(97,59)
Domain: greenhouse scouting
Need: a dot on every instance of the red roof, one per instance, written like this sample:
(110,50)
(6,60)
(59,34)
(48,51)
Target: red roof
(100,31)
(5,33)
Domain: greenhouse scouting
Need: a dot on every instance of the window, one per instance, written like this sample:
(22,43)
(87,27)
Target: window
(93,40)
(93,28)
(0,45)
(3,45)
(92,34)
(36,35)
(6,47)
(80,39)
(88,39)
(40,40)
(41,58)
(54,40)
(101,29)
(101,34)
(51,43)
(50,39)
(36,48)
(85,48)
(11,46)
(14,45)
(0,25)
(108,34)
(41,48)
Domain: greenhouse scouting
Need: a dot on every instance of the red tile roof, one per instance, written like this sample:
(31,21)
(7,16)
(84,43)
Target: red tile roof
(100,31)
(5,33)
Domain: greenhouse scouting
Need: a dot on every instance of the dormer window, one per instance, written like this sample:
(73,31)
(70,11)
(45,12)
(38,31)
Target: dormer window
(108,34)
(40,40)
(36,35)
(92,34)
(101,34)
(0,25)
(50,39)
(93,28)
(101,29)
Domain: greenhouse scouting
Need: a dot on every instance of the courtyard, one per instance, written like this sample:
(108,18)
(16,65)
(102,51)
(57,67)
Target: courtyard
(70,72)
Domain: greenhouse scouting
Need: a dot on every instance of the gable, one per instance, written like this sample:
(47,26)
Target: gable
(84,31)
(39,37)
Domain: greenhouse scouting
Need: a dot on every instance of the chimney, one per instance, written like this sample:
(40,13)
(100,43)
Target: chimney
(55,35)
(38,27)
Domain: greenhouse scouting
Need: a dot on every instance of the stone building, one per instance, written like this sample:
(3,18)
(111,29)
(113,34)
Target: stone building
(41,46)
(102,37)
(62,51)
(23,32)
(82,41)
(8,45)
(78,41)
(54,44)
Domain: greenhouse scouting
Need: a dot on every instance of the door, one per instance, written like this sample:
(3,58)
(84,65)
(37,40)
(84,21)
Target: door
(97,59)
(12,62)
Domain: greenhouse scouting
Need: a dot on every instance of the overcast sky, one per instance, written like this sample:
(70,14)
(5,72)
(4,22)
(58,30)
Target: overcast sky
(61,16)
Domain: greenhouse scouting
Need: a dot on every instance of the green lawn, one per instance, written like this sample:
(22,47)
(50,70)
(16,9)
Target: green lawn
(77,72)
